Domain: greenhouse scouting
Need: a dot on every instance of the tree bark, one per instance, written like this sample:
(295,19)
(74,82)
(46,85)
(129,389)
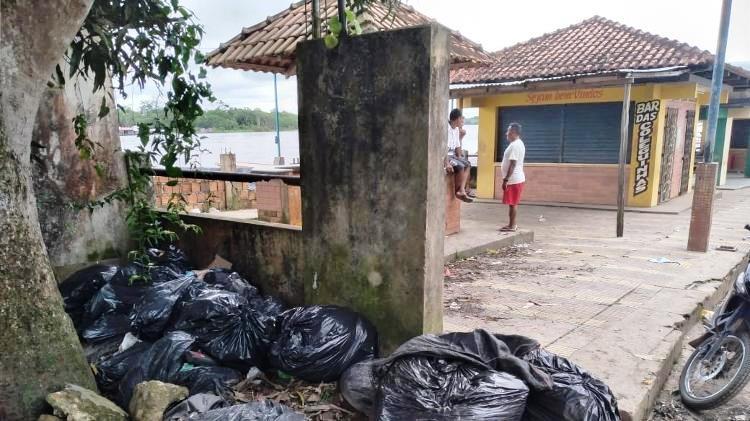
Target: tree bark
(39,349)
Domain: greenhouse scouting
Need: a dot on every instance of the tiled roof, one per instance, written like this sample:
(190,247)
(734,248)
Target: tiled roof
(270,45)
(596,45)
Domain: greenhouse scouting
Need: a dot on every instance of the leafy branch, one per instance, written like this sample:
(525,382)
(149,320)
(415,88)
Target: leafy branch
(137,42)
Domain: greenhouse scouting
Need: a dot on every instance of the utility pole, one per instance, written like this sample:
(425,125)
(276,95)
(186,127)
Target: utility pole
(706,172)
(342,16)
(276,100)
(622,176)
(316,19)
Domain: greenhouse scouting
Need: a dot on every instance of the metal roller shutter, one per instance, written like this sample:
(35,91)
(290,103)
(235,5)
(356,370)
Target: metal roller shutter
(570,133)
(592,133)
(541,127)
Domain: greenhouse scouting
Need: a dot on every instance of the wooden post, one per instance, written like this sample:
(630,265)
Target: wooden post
(622,176)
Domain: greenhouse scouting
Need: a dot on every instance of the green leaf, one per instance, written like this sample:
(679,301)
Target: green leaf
(331,41)
(76,51)
(173,171)
(103,109)
(60,77)
(350,16)
(172,183)
(202,73)
(99,170)
(334,25)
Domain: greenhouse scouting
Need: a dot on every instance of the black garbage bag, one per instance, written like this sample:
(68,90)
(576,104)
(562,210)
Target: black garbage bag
(105,301)
(231,281)
(81,286)
(106,327)
(207,379)
(170,257)
(268,305)
(253,411)
(575,396)
(227,328)
(240,342)
(357,385)
(162,362)
(109,370)
(319,343)
(134,275)
(195,404)
(203,308)
(101,350)
(151,315)
(455,376)
(430,388)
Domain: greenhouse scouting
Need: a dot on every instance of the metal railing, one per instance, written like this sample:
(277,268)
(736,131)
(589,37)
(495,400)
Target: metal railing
(292,180)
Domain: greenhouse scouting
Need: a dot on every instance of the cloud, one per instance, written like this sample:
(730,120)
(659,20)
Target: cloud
(492,23)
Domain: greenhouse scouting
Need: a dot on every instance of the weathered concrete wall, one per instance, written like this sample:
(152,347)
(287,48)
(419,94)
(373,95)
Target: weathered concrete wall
(61,178)
(372,143)
(269,255)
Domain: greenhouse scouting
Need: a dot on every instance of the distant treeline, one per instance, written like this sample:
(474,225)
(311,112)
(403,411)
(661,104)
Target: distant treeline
(218,120)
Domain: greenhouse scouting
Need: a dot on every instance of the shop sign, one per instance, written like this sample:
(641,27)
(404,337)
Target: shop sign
(644,126)
(567,95)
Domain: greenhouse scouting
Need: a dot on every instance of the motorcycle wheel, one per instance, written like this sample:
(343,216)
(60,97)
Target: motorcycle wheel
(735,349)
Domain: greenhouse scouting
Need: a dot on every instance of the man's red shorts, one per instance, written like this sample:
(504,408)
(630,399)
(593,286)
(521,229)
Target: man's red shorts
(512,194)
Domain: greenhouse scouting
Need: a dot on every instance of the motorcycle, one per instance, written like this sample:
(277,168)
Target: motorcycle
(719,367)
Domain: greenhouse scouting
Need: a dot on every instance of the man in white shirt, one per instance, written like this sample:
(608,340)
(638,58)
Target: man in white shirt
(513,176)
(455,163)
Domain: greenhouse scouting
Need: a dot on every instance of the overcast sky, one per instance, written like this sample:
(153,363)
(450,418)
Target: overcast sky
(492,23)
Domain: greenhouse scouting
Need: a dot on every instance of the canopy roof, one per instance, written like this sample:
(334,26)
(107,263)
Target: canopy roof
(269,46)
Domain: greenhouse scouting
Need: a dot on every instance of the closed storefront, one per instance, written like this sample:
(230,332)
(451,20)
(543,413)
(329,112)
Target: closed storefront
(566,90)
(566,133)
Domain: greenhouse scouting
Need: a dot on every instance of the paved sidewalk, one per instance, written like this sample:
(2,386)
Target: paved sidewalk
(599,300)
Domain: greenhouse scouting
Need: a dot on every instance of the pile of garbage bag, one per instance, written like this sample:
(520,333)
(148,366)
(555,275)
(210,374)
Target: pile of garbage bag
(204,329)
(478,376)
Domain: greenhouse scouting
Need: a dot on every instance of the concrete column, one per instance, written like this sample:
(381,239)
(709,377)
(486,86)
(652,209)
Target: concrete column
(703,205)
(372,121)
(228,163)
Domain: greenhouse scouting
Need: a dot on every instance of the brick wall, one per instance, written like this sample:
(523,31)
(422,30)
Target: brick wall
(566,183)
(202,193)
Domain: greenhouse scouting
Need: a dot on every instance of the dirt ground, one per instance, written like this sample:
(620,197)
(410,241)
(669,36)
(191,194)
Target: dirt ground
(466,295)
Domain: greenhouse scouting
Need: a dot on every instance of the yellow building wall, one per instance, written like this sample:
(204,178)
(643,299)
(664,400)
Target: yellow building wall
(486,155)
(490,107)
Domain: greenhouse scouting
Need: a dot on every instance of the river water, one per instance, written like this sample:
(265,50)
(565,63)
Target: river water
(260,147)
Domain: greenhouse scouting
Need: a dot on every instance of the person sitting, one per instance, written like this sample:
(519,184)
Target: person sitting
(455,162)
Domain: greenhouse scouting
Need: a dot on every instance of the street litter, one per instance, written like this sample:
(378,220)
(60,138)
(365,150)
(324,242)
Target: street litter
(726,248)
(244,355)
(662,260)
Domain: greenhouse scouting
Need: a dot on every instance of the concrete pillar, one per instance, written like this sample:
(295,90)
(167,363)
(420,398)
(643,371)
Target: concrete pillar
(703,205)
(372,116)
(227,162)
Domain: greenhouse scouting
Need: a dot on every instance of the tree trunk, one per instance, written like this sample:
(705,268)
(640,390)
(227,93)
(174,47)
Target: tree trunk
(39,350)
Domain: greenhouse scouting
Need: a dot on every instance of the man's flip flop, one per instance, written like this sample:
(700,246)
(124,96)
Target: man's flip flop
(464,198)
(509,229)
